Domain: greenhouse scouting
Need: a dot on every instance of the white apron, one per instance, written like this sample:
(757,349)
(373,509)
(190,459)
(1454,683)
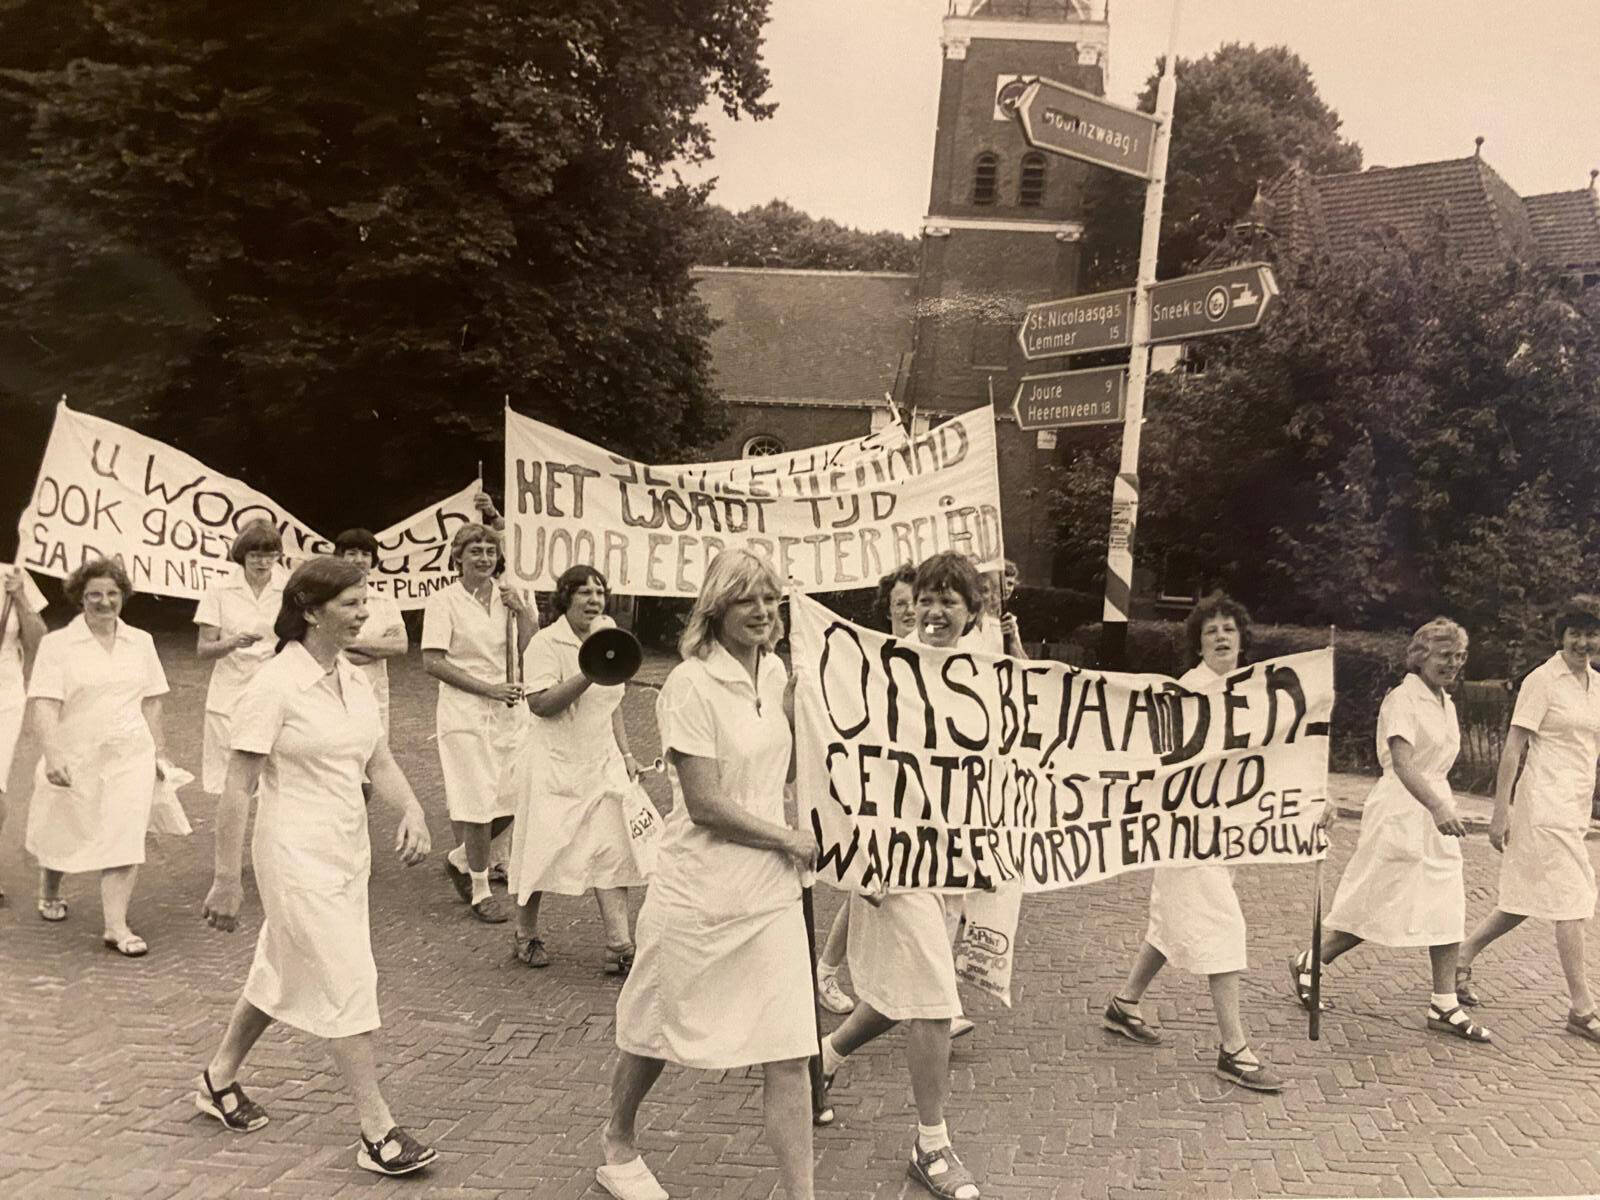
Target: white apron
(13,692)
(1546,870)
(1403,885)
(722,977)
(232,608)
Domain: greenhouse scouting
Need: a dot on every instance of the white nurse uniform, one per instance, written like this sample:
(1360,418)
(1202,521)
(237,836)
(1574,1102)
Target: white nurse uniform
(723,973)
(570,835)
(231,606)
(1403,884)
(480,739)
(313,965)
(1546,870)
(383,616)
(13,693)
(1195,918)
(100,820)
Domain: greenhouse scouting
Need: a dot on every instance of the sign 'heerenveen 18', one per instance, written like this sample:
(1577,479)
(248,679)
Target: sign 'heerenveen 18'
(1094,396)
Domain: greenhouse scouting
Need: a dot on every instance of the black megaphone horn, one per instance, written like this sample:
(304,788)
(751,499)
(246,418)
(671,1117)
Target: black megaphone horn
(610,656)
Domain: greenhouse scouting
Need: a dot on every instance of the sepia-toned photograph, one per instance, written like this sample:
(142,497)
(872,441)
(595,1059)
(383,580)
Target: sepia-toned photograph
(799,599)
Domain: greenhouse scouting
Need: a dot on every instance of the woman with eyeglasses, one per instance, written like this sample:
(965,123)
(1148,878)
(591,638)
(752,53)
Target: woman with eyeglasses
(1403,886)
(235,617)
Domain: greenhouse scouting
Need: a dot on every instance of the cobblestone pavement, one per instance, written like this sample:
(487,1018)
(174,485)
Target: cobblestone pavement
(505,1070)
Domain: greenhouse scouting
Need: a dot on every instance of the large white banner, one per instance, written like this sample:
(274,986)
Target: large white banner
(953,770)
(830,518)
(170,520)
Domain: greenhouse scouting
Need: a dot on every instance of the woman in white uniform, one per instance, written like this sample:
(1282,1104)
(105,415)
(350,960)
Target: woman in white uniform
(21,627)
(723,974)
(1403,886)
(96,709)
(569,836)
(900,955)
(235,616)
(1542,814)
(480,720)
(1195,918)
(306,731)
(384,635)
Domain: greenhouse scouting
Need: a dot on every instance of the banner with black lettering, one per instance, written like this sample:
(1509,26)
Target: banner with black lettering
(829,518)
(414,555)
(953,770)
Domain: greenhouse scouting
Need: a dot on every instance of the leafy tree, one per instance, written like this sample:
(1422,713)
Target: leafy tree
(1242,116)
(317,245)
(1403,435)
(776,234)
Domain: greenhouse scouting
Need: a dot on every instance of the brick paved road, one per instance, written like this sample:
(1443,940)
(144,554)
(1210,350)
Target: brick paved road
(505,1070)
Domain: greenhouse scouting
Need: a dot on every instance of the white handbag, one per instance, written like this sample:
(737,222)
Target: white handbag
(166,812)
(643,821)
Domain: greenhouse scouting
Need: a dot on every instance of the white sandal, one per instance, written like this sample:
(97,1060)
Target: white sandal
(630,1181)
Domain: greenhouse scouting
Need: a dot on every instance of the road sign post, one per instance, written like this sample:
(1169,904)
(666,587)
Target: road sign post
(1082,125)
(1095,396)
(1077,325)
(1222,301)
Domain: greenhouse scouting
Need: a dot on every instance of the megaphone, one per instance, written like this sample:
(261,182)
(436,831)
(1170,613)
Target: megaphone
(610,656)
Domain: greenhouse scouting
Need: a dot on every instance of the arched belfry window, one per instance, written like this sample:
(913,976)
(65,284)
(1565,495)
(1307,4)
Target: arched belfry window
(1030,190)
(985,178)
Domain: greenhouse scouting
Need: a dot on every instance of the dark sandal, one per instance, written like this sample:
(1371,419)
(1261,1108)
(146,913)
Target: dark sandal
(822,1113)
(1585,1026)
(1253,1075)
(1130,1025)
(460,880)
(1440,1022)
(530,952)
(1301,975)
(229,1105)
(395,1153)
(1465,995)
(619,960)
(941,1172)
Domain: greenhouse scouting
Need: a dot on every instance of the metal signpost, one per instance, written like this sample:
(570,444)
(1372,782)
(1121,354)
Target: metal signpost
(1077,324)
(1064,120)
(1065,398)
(1223,301)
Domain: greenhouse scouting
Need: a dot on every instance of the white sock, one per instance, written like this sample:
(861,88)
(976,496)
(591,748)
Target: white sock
(480,885)
(1444,1001)
(825,973)
(932,1137)
(831,1058)
(458,857)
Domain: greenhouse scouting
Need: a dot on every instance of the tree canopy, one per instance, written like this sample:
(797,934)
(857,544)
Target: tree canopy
(318,244)
(1242,116)
(1403,436)
(776,234)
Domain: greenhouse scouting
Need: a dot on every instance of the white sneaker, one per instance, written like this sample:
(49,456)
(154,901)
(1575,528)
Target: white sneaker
(960,1027)
(834,998)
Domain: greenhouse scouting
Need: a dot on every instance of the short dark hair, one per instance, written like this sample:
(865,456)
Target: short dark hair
(95,568)
(256,537)
(1217,604)
(574,578)
(950,571)
(904,573)
(356,539)
(1581,612)
(313,584)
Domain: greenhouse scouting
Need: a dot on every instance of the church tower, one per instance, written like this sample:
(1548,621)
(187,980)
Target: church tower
(1003,229)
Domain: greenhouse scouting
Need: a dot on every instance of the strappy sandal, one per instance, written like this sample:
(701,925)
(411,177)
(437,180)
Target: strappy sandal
(132,946)
(1465,995)
(1253,1075)
(1585,1026)
(230,1105)
(395,1153)
(1130,1025)
(530,952)
(1300,973)
(619,960)
(1445,1021)
(941,1172)
(52,910)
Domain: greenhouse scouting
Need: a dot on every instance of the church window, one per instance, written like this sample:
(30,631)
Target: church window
(985,177)
(1030,191)
(761,445)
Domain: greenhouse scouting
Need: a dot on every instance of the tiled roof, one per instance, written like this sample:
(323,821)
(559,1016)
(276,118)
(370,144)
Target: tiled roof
(822,335)
(1567,226)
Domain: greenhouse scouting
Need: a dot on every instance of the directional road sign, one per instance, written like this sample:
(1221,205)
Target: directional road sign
(1077,325)
(1064,120)
(1092,397)
(1211,302)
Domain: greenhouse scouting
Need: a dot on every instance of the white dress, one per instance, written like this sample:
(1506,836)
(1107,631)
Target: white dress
(313,965)
(383,615)
(1546,870)
(1195,918)
(101,819)
(480,739)
(13,692)
(1403,884)
(722,978)
(232,607)
(569,835)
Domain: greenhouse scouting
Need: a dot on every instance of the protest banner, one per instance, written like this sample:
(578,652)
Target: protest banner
(953,770)
(167,518)
(414,558)
(826,525)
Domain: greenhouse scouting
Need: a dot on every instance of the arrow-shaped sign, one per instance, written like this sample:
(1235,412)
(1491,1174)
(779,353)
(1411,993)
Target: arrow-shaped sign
(1090,397)
(1222,301)
(1080,124)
